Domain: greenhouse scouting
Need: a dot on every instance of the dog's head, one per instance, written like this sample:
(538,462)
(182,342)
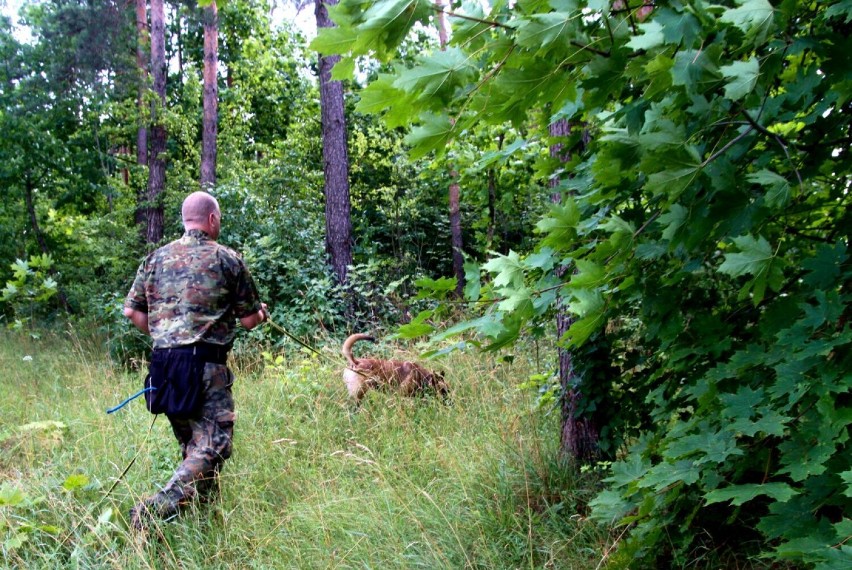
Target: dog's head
(437,382)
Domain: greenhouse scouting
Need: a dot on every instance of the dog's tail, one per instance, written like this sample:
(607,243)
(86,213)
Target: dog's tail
(349,342)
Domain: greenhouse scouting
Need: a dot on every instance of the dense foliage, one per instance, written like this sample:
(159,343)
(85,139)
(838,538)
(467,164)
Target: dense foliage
(706,222)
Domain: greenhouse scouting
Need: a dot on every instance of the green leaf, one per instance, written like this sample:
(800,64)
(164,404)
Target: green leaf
(840,9)
(438,74)
(739,494)
(417,327)
(560,226)
(332,41)
(588,275)
(75,481)
(754,258)
(472,282)
(381,96)
(665,474)
(673,220)
(434,134)
(488,326)
(540,31)
(386,23)
(710,446)
(519,300)
(11,496)
(659,72)
(742,77)
(695,70)
(679,28)
(544,260)
(743,404)
(778,193)
(586,302)
(344,69)
(20,270)
(824,268)
(509,270)
(672,183)
(752,16)
(846,476)
(652,36)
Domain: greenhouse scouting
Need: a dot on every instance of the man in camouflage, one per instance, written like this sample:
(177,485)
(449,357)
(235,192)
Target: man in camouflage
(188,296)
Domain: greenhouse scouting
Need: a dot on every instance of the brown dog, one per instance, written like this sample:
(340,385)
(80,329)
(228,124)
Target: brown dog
(406,378)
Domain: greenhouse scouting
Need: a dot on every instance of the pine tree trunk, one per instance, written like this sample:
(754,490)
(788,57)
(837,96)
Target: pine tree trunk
(157,158)
(142,42)
(338,223)
(578,435)
(211,97)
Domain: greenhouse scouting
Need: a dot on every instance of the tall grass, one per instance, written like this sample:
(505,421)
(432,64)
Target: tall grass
(402,483)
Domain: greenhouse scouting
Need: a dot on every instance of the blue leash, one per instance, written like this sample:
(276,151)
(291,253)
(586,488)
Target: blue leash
(130,399)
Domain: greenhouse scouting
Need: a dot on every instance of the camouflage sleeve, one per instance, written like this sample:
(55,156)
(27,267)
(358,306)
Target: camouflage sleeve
(136,298)
(246,297)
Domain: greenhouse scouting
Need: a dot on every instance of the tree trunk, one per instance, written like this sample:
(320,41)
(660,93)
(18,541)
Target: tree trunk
(454,191)
(338,223)
(157,158)
(142,130)
(456,234)
(211,97)
(578,435)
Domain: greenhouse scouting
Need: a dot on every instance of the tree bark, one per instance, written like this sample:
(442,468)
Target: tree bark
(456,233)
(157,158)
(578,435)
(338,222)
(211,97)
(142,42)
(454,191)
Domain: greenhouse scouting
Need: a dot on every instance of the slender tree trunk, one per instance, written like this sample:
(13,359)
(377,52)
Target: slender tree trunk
(456,233)
(338,223)
(443,36)
(142,42)
(492,197)
(211,97)
(579,435)
(157,158)
(454,191)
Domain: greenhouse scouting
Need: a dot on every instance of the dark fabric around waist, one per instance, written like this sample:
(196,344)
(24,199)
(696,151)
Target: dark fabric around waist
(215,353)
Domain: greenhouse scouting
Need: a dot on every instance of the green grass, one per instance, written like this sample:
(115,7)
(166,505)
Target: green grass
(403,483)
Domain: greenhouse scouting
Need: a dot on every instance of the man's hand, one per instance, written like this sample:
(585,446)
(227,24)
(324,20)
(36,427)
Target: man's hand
(138,318)
(252,321)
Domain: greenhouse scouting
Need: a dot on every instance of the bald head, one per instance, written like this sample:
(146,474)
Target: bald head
(200,211)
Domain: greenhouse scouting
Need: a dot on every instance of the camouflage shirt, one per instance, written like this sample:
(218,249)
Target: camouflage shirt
(193,290)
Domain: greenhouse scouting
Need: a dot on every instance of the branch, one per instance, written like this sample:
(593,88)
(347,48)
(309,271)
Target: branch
(780,142)
(722,150)
(491,23)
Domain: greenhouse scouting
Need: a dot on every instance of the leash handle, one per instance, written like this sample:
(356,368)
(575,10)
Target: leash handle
(130,399)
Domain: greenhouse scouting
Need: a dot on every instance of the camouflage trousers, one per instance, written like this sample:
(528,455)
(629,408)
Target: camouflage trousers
(205,443)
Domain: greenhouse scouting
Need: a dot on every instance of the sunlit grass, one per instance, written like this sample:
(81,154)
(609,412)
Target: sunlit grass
(402,483)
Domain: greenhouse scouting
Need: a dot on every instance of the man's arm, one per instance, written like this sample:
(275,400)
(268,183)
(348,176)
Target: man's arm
(255,319)
(138,318)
